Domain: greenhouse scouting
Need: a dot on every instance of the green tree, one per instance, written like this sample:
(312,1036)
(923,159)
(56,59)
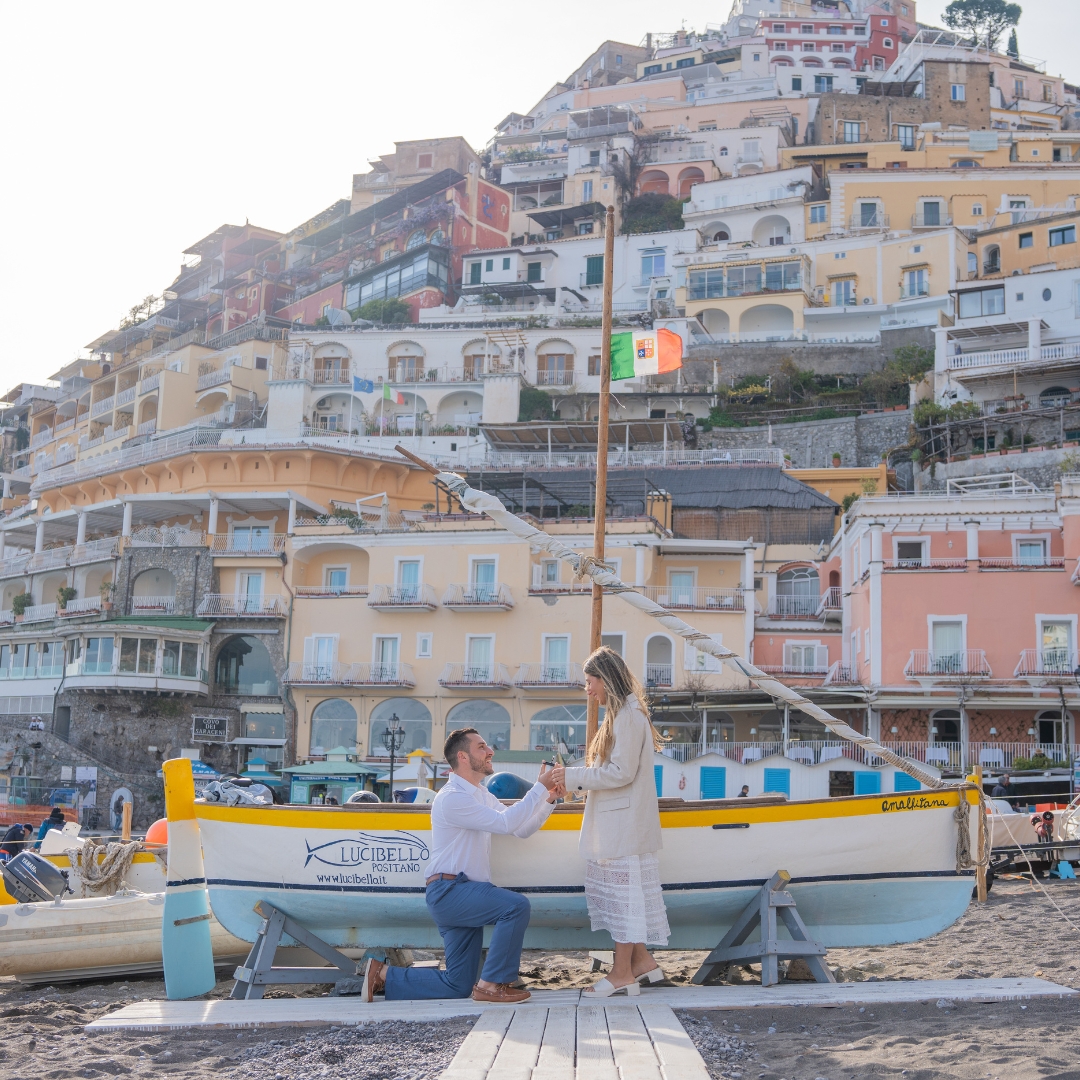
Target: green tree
(1013,48)
(383,311)
(984,20)
(534,405)
(652,212)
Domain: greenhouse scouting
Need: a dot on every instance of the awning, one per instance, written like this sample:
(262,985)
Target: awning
(556,219)
(1002,329)
(538,435)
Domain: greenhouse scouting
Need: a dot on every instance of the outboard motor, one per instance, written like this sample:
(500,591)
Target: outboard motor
(32,879)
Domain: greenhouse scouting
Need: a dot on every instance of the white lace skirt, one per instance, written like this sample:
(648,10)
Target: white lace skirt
(625,899)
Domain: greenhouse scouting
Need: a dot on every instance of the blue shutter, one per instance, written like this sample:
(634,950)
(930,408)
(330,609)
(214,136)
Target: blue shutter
(903,782)
(713,782)
(868,783)
(658,772)
(778,780)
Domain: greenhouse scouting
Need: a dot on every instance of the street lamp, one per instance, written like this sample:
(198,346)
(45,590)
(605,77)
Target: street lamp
(392,738)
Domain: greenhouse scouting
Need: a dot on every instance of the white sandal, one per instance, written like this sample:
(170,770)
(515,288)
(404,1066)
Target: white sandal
(651,977)
(604,989)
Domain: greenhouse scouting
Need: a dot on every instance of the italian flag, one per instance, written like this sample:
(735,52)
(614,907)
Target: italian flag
(650,352)
(390,394)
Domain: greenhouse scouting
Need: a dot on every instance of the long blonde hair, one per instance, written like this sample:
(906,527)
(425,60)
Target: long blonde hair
(620,686)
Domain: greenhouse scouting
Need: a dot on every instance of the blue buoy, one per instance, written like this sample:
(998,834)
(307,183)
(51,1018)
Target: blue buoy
(507,785)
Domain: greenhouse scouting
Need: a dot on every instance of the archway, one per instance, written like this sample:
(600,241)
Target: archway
(716,322)
(716,232)
(243,666)
(333,725)
(654,182)
(658,661)
(798,591)
(687,179)
(414,718)
(460,409)
(490,719)
(1055,397)
(773,230)
(767,321)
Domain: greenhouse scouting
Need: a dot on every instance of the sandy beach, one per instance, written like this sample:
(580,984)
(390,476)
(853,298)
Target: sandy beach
(1018,932)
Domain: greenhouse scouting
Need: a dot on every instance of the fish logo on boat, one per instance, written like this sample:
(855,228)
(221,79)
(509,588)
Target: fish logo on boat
(397,852)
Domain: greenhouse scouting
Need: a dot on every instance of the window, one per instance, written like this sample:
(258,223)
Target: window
(779,28)
(823,84)
(98,658)
(333,726)
(479,652)
(618,58)
(836,29)
(972,262)
(868,215)
(948,647)
(243,666)
(806,28)
(549,572)
(1056,645)
(475,271)
(798,591)
(956,92)
(613,642)
(885,24)
(931,213)
(261,363)
(506,262)
(851,131)
(594,157)
(975,303)
(423,646)
(685,62)
(1065,235)
(586,191)
(653,69)
(817,214)
(1027,240)
(796,82)
(594,364)
(483,580)
(532,272)
(879,64)
(138,655)
(250,538)
(652,265)
(1031,552)
(556,667)
(180,658)
(916,283)
(413,718)
(594,270)
(489,265)
(992,259)
(408,580)
(808,46)
(385,651)
(780,46)
(905,133)
(887,43)
(757,56)
(843,293)
(837,48)
(561,727)
(976,210)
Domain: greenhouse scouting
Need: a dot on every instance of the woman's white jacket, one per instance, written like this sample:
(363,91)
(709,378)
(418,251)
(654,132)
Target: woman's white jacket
(622,816)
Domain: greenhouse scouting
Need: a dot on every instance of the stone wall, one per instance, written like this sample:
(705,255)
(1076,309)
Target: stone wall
(192,567)
(1042,467)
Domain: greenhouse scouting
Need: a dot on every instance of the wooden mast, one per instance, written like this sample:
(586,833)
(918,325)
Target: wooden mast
(600,510)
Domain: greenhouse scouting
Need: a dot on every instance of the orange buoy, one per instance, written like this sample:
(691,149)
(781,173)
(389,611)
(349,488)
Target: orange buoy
(158,833)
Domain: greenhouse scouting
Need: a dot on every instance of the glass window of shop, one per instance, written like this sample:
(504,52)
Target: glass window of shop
(413,716)
(243,667)
(138,655)
(560,728)
(99,656)
(333,724)
(490,719)
(180,658)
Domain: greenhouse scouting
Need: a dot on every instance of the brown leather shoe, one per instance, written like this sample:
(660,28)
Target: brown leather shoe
(503,994)
(374,979)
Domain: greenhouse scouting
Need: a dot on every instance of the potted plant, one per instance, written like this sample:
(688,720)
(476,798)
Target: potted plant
(63,595)
(836,459)
(107,590)
(19,604)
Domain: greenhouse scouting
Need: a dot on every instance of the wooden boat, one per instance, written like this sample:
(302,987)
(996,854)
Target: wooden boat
(78,939)
(866,870)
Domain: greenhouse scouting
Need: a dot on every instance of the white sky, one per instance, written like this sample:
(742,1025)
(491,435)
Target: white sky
(130,130)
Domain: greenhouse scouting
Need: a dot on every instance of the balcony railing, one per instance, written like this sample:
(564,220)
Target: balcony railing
(331,377)
(214,378)
(797,670)
(841,675)
(658,674)
(39,612)
(51,559)
(694,599)
(106,547)
(930,221)
(88,605)
(241,607)
(44,671)
(991,755)
(869,221)
(148,427)
(152,605)
(151,382)
(330,590)
(466,675)
(925,564)
(1046,665)
(125,397)
(560,588)
(832,599)
(494,597)
(167,536)
(337,674)
(418,597)
(41,438)
(556,675)
(808,751)
(99,408)
(792,607)
(247,544)
(555,378)
(1047,562)
(967,663)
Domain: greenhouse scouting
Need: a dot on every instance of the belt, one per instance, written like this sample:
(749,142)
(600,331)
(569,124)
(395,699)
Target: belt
(440,877)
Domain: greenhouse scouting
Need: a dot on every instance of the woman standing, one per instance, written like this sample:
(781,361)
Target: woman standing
(620,829)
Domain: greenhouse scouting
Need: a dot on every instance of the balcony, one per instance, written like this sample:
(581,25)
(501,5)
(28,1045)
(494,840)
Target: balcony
(418,597)
(88,605)
(99,408)
(493,597)
(147,428)
(82,674)
(39,612)
(793,607)
(41,438)
(930,221)
(924,564)
(1047,562)
(152,605)
(555,378)
(550,676)
(841,675)
(832,602)
(467,676)
(927,668)
(337,674)
(995,756)
(913,292)
(330,591)
(150,383)
(331,376)
(214,378)
(560,588)
(125,397)
(219,605)
(247,544)
(808,751)
(1042,666)
(167,536)
(1006,357)
(658,675)
(868,222)
(14,567)
(51,558)
(694,599)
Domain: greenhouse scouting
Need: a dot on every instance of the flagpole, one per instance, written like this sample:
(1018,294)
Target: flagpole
(600,510)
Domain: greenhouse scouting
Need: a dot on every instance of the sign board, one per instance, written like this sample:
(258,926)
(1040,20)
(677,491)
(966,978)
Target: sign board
(210,728)
(85,773)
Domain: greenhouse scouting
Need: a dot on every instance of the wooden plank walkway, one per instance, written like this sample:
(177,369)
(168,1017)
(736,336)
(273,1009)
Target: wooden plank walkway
(561,1004)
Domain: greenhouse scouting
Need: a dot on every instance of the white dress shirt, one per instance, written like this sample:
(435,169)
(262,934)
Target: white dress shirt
(463,817)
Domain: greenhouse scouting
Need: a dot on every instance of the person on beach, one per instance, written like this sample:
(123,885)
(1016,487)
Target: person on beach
(55,820)
(15,840)
(620,829)
(460,895)
(745,793)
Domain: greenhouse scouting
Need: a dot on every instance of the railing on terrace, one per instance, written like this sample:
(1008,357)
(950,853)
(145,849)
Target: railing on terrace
(87,605)
(125,397)
(991,755)
(790,607)
(841,675)
(51,558)
(330,590)
(466,675)
(148,427)
(152,605)
(241,607)
(550,675)
(877,220)
(214,378)
(1047,562)
(493,597)
(804,670)
(331,377)
(94,550)
(694,599)
(808,751)
(167,536)
(98,408)
(14,567)
(338,674)
(41,438)
(247,544)
(151,382)
(930,221)
(832,599)
(251,331)
(561,588)
(417,597)
(65,425)
(39,612)
(924,564)
(658,675)
(1046,665)
(966,663)
(555,378)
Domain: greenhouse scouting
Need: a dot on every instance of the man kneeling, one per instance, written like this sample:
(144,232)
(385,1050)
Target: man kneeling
(460,896)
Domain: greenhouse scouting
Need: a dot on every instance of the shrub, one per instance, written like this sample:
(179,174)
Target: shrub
(64,594)
(849,500)
(20,603)
(652,212)
(928,412)
(383,311)
(534,404)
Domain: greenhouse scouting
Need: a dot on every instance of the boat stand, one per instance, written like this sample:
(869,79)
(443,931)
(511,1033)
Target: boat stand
(259,972)
(761,912)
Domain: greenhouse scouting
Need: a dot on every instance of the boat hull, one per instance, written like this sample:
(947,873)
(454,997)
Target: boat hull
(865,871)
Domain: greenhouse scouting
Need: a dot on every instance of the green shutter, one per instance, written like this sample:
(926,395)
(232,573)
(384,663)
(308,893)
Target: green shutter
(594,270)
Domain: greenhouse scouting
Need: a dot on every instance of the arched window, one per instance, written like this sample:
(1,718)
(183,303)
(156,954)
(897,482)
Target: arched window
(490,719)
(992,259)
(555,364)
(562,728)
(243,667)
(415,239)
(1050,732)
(687,179)
(437,237)
(658,661)
(1055,397)
(414,718)
(720,235)
(965,163)
(797,591)
(154,592)
(945,726)
(333,725)
(723,151)
(653,181)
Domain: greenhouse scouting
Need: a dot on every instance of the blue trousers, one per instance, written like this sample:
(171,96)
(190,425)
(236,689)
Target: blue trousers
(461,909)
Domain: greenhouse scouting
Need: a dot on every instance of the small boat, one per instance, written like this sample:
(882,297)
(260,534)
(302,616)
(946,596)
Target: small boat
(82,939)
(866,870)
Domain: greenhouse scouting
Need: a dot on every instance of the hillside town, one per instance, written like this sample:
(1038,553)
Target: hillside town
(864,476)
